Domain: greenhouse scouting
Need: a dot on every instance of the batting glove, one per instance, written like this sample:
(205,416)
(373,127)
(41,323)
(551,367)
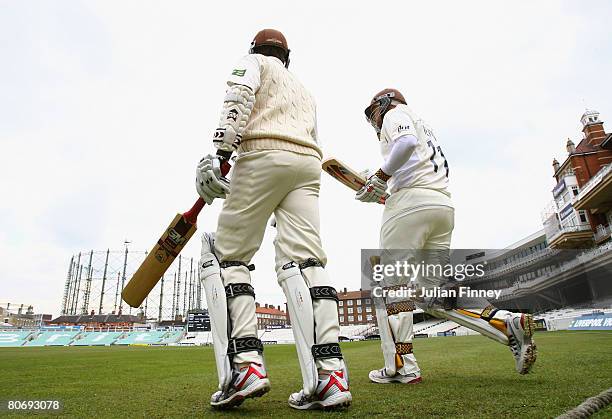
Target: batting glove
(374,189)
(210,184)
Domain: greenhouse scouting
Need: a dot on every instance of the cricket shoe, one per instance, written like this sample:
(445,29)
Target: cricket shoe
(251,381)
(332,393)
(381,377)
(520,328)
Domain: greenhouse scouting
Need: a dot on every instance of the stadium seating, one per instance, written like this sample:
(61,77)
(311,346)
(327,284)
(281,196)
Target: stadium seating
(141,338)
(276,336)
(562,318)
(440,326)
(96,338)
(349,332)
(172,337)
(196,339)
(55,338)
(16,338)
(422,327)
(463,331)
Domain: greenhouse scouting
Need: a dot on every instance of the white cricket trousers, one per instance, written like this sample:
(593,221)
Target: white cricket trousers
(265,182)
(414,219)
(417,218)
(407,228)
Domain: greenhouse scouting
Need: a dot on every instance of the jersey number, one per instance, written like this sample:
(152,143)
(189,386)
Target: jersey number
(433,157)
(435,150)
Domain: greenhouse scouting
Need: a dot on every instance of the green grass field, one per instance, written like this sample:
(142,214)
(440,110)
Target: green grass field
(463,377)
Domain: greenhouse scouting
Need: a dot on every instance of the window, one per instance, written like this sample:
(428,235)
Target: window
(575,190)
(569,221)
(566,196)
(368,301)
(583,216)
(340,303)
(369,317)
(341,319)
(350,310)
(358,309)
(358,302)
(349,302)
(368,309)
(350,318)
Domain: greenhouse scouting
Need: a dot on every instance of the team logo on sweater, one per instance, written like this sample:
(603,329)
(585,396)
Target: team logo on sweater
(238,73)
(403,128)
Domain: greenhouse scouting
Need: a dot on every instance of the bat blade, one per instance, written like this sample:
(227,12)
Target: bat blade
(344,174)
(165,251)
(158,260)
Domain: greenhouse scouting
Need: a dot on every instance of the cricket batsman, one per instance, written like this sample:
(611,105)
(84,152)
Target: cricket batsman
(269,120)
(419,218)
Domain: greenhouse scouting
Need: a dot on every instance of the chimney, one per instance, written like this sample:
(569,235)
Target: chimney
(256,305)
(556,165)
(279,308)
(266,305)
(592,127)
(570,146)
(345,290)
(287,315)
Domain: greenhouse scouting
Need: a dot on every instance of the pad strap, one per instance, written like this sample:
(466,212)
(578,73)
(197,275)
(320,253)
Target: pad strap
(247,344)
(403,348)
(234,290)
(400,307)
(488,313)
(311,262)
(230,263)
(324,292)
(326,350)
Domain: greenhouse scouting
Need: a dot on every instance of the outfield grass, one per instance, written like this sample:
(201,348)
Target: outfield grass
(463,377)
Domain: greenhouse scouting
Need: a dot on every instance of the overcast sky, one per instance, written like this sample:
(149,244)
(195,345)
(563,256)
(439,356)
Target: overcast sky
(106,107)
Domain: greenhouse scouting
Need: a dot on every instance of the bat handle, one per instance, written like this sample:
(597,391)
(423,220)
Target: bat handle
(192,215)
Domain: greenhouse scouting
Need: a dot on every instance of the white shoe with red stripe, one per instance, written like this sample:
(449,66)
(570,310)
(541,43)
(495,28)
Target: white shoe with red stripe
(332,392)
(251,381)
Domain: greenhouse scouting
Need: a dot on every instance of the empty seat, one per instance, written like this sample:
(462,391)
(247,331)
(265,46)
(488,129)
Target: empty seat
(59,338)
(16,338)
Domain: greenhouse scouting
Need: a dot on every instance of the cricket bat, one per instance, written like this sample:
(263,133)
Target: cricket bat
(167,248)
(344,174)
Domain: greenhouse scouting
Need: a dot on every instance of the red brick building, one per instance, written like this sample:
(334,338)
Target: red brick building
(355,308)
(269,316)
(581,212)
